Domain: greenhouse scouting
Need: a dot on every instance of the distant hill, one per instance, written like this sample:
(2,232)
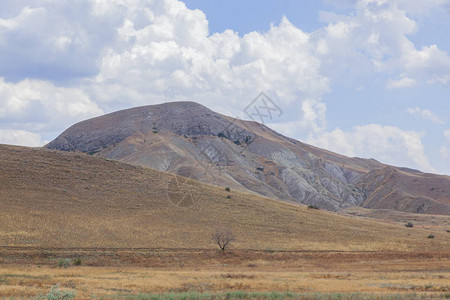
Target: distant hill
(64,199)
(188,139)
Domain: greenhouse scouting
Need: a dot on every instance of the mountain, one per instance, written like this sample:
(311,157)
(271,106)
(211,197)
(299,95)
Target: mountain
(188,139)
(68,200)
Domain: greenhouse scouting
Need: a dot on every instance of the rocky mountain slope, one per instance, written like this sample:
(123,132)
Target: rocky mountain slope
(188,139)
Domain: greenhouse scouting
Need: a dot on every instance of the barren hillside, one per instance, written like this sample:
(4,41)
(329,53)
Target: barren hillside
(64,199)
(188,139)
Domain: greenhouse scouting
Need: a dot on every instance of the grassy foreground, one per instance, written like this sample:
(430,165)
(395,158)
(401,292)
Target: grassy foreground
(240,276)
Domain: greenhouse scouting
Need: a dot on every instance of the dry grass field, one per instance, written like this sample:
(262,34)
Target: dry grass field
(133,273)
(140,231)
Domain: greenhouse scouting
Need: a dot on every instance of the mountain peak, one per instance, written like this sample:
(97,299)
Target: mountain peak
(183,118)
(187,138)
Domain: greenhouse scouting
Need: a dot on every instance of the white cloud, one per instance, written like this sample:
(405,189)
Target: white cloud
(412,7)
(172,57)
(388,144)
(20,138)
(425,114)
(375,38)
(40,107)
(445,152)
(311,120)
(447,133)
(136,50)
(403,82)
(53,40)
(430,64)
(418,7)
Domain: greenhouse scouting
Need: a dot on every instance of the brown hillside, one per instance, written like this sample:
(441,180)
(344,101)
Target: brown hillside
(63,199)
(406,191)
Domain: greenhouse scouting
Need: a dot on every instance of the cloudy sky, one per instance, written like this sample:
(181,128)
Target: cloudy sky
(366,78)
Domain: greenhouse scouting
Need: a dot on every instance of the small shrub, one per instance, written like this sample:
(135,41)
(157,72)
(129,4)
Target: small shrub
(77,261)
(228,197)
(64,263)
(227,189)
(155,131)
(223,238)
(310,206)
(409,225)
(430,236)
(57,294)
(92,152)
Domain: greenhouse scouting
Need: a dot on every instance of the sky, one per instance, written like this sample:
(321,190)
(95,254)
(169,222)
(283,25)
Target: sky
(363,78)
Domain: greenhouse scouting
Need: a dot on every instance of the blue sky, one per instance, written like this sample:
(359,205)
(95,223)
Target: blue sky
(366,78)
(248,16)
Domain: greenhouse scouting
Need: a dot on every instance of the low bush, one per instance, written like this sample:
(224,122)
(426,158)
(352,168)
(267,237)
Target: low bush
(310,206)
(64,263)
(57,294)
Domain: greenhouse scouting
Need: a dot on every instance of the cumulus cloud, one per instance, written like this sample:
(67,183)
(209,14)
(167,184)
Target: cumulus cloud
(172,57)
(375,38)
(163,48)
(430,64)
(53,40)
(122,53)
(425,114)
(390,145)
(311,120)
(20,138)
(132,51)
(39,106)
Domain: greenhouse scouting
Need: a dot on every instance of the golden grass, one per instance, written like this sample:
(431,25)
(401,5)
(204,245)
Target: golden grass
(419,276)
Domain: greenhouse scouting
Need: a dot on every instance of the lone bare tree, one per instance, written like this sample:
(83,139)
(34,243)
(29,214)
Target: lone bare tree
(223,238)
